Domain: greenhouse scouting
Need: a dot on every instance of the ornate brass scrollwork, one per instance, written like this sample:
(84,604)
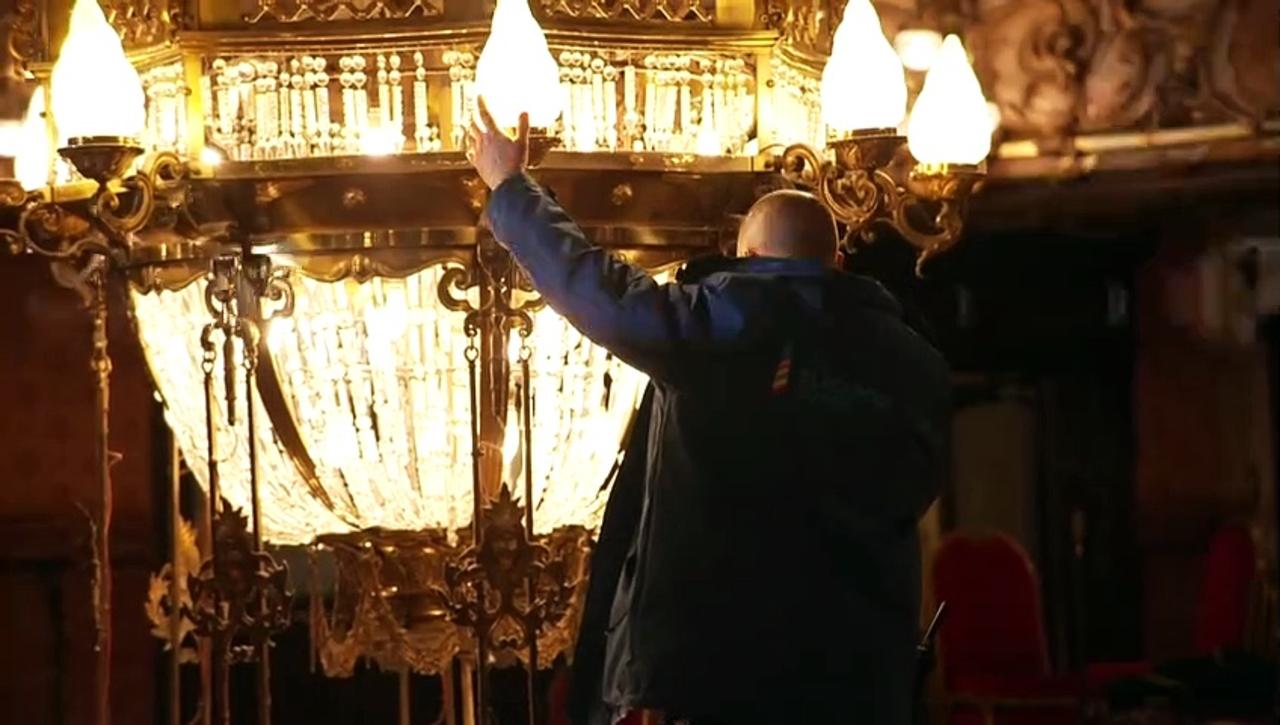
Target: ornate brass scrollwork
(858,182)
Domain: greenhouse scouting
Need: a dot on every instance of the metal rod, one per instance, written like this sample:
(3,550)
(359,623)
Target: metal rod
(175,580)
(404,695)
(447,696)
(468,692)
(477,532)
(532,625)
(263,646)
(100,362)
(216,694)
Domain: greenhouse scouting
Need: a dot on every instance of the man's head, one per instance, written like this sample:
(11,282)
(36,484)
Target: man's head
(789,224)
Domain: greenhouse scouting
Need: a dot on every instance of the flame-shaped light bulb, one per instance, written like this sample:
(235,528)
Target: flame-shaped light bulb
(96,91)
(516,72)
(951,122)
(863,83)
(34,154)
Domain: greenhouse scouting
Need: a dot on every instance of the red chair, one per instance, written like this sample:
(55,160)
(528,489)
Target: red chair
(992,649)
(1222,611)
(1223,606)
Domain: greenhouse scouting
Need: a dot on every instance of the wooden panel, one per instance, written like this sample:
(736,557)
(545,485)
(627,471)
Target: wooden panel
(46,469)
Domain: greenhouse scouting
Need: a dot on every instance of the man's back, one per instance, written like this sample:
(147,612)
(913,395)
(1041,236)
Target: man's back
(775,571)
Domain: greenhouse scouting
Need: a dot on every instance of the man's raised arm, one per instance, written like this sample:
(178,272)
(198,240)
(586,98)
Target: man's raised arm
(617,305)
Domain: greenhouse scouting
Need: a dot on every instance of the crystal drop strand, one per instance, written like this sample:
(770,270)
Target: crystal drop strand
(586,110)
(672,91)
(324,116)
(421,119)
(152,110)
(582,103)
(245,76)
(611,108)
(598,119)
(180,91)
(361,80)
(650,102)
(311,120)
(297,114)
(285,111)
(631,120)
(468,88)
(568,121)
(271,120)
(720,97)
(384,92)
(261,137)
(687,130)
(456,133)
(223,104)
(347,80)
(397,100)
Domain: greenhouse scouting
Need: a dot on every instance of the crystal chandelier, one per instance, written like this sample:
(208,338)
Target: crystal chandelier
(348,361)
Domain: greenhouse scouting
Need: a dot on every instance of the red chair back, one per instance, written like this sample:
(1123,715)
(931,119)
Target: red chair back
(994,625)
(1222,611)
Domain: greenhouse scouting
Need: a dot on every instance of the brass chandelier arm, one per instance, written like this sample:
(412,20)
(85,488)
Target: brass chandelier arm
(162,173)
(946,225)
(860,184)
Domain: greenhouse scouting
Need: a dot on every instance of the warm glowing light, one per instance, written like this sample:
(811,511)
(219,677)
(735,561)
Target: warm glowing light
(96,92)
(33,156)
(211,157)
(917,47)
(709,142)
(376,379)
(380,140)
(516,73)
(951,122)
(863,85)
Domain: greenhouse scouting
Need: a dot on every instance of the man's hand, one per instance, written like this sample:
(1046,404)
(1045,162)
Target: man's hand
(496,156)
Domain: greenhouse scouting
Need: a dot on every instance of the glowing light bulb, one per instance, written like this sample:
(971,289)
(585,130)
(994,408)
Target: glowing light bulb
(33,156)
(917,47)
(211,157)
(951,122)
(708,142)
(96,91)
(516,72)
(380,141)
(863,84)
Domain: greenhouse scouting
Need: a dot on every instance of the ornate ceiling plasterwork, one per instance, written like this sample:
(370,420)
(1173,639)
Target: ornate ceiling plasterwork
(1057,68)
(1062,66)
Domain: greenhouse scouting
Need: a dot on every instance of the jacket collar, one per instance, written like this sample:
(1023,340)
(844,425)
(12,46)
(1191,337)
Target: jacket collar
(849,288)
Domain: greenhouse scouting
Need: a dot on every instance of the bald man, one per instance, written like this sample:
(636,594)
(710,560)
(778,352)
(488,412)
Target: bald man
(769,573)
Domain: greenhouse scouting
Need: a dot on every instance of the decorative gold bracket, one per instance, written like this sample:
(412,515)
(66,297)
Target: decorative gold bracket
(861,181)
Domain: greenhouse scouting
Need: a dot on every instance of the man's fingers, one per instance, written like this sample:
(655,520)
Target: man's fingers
(522,130)
(486,116)
(474,132)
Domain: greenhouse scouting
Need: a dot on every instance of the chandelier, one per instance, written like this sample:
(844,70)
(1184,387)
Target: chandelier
(347,359)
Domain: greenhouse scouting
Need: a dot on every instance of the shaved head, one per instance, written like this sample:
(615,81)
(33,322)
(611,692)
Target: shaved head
(789,224)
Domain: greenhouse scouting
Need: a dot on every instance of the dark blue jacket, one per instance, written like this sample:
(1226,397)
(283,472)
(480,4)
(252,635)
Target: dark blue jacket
(797,433)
